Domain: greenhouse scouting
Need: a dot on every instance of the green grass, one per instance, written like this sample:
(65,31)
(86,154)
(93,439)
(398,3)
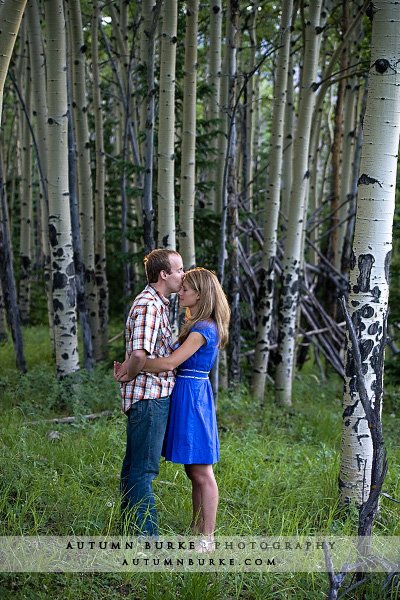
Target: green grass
(277,475)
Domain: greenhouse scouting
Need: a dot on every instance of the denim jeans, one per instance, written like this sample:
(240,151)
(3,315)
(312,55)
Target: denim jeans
(145,430)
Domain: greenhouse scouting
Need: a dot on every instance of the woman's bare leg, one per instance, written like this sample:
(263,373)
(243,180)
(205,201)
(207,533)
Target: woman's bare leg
(204,498)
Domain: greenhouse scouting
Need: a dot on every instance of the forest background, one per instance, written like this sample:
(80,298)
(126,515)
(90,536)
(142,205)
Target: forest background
(233,133)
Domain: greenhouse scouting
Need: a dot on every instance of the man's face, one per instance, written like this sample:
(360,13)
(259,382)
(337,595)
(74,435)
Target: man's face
(175,278)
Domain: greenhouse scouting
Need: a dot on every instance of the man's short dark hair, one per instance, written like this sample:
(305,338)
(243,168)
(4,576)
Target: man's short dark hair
(157,261)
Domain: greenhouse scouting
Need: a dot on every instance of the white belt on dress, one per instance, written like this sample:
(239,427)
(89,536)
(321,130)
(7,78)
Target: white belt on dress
(192,374)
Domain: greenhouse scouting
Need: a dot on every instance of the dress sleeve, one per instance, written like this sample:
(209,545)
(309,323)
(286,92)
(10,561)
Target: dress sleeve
(208,330)
(144,332)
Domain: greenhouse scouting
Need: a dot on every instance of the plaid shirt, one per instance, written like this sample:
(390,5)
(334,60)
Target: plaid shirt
(148,328)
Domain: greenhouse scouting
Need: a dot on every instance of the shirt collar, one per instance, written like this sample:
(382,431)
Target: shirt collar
(157,294)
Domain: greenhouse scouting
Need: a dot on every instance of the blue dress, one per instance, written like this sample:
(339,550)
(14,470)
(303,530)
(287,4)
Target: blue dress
(192,434)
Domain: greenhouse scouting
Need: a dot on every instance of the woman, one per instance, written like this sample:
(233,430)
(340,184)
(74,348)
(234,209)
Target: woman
(192,435)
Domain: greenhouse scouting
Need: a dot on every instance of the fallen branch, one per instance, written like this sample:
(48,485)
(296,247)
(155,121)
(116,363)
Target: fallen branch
(105,413)
(116,337)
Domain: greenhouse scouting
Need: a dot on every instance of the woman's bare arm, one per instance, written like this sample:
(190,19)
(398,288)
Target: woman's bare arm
(192,343)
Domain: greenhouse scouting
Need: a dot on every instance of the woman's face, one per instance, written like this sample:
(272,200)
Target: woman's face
(188,298)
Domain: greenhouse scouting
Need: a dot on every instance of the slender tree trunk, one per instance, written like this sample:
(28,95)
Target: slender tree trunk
(150,22)
(232,203)
(166,128)
(288,135)
(333,250)
(82,304)
(8,280)
(248,130)
(291,265)
(79,106)
(188,153)
(267,273)
(220,178)
(349,130)
(99,192)
(11,12)
(25,186)
(369,274)
(63,271)
(38,69)
(214,79)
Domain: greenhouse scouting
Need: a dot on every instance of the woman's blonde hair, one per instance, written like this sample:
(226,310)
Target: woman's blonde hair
(212,306)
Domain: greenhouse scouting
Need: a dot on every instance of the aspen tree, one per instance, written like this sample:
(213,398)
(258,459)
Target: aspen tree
(99,191)
(349,124)
(63,271)
(223,136)
(288,135)
(8,280)
(151,13)
(147,11)
(25,186)
(79,104)
(11,12)
(166,127)
(369,272)
(267,273)
(292,261)
(188,153)
(232,201)
(214,79)
(248,129)
(38,70)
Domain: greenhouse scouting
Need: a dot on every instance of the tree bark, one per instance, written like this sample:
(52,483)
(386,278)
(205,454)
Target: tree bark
(38,69)
(99,191)
(63,270)
(11,12)
(292,261)
(8,280)
(149,29)
(84,188)
(166,131)
(369,273)
(214,79)
(267,272)
(188,152)
(25,186)
(232,204)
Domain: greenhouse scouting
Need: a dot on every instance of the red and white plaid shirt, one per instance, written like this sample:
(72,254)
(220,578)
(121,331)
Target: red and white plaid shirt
(148,328)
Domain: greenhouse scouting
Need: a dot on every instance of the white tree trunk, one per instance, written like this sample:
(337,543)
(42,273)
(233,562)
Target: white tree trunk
(11,12)
(38,70)
(267,276)
(166,129)
(63,271)
(79,104)
(188,153)
(369,275)
(292,262)
(288,136)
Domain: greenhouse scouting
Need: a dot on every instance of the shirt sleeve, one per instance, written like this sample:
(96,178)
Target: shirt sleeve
(144,330)
(208,331)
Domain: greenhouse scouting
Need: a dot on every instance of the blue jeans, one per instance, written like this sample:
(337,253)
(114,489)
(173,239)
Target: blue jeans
(145,430)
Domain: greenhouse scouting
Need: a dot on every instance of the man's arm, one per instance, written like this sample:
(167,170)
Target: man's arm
(130,367)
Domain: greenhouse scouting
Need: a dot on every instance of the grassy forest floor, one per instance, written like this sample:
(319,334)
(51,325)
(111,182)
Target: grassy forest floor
(278,475)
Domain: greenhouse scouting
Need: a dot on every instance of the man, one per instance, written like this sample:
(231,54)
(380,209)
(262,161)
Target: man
(145,396)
